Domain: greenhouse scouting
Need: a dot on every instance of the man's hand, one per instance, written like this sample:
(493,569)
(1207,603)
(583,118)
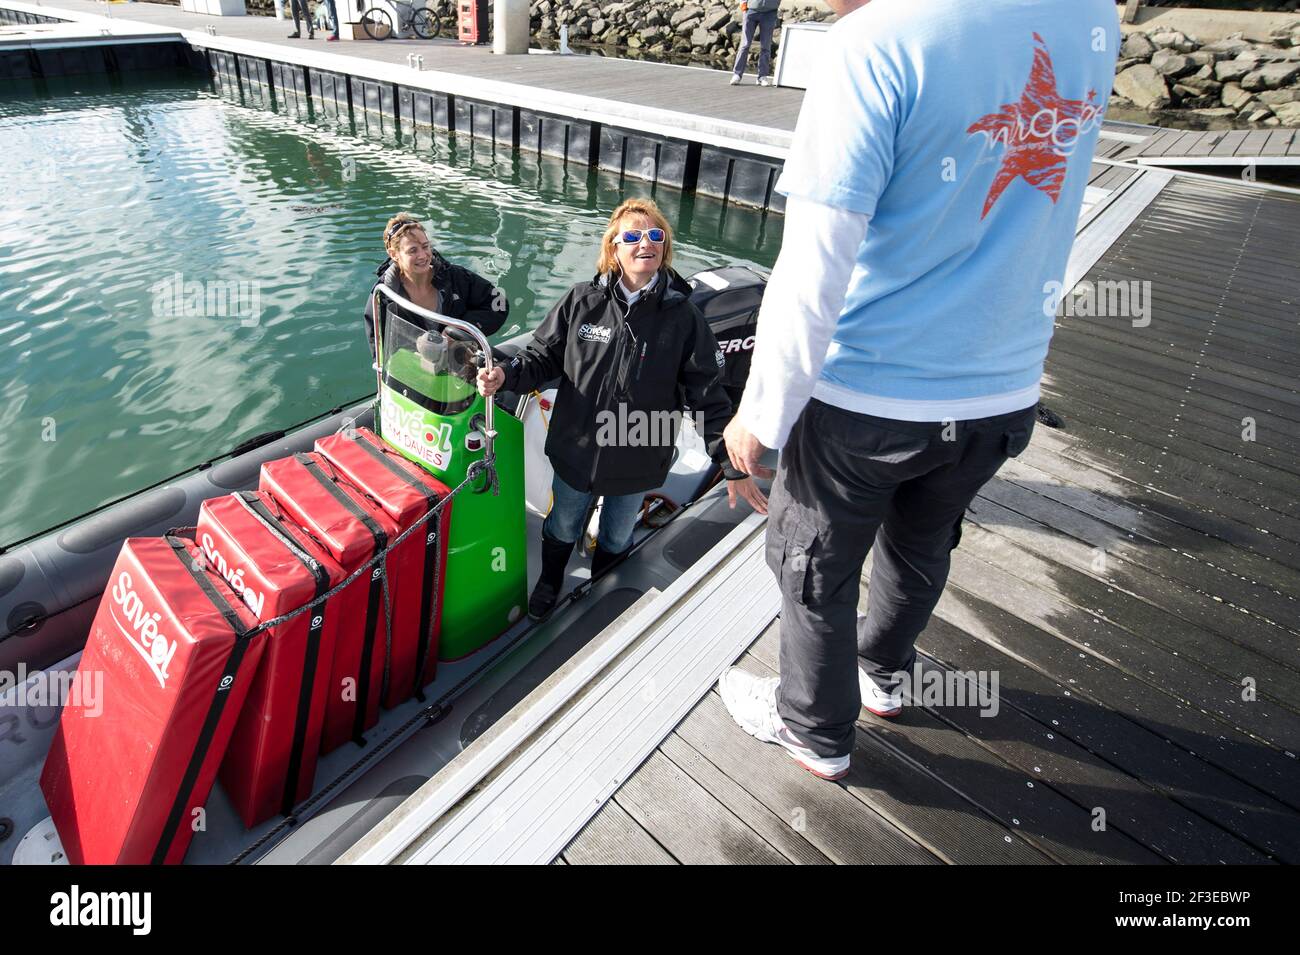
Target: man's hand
(747,489)
(489,382)
(745,450)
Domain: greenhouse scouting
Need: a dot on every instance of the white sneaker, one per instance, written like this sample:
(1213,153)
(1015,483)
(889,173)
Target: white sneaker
(735,80)
(877,700)
(751,701)
(765,81)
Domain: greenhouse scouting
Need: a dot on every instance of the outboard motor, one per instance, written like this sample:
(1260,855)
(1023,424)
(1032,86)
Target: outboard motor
(729,298)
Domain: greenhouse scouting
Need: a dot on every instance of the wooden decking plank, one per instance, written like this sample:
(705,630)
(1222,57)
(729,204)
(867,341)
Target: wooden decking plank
(1193,447)
(1037,813)
(1108,147)
(1070,563)
(1203,487)
(1185,144)
(778,832)
(1269,447)
(1245,306)
(1060,533)
(1228,145)
(612,837)
(1098,495)
(1195,338)
(834,821)
(1175,370)
(1279,141)
(1074,382)
(928,809)
(1065,710)
(1186,501)
(1167,371)
(1137,679)
(1257,355)
(1155,145)
(687,821)
(1254,142)
(1192,588)
(988,565)
(1166,387)
(1158,515)
(1207,142)
(1183,451)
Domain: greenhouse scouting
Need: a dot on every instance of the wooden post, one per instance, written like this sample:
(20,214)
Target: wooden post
(1131,10)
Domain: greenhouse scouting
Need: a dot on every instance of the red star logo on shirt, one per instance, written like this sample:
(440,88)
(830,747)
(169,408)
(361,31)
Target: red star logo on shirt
(1039,131)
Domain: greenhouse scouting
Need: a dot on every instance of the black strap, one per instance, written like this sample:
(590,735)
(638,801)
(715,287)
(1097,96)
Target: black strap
(432,568)
(215,707)
(311,656)
(376,587)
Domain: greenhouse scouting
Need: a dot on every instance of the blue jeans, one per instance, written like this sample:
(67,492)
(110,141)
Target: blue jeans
(764,24)
(618,517)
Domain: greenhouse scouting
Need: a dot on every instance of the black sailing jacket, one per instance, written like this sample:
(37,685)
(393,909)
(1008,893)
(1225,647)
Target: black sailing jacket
(463,294)
(617,366)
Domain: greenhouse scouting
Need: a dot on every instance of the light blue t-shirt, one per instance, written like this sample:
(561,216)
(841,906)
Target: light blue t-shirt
(965,129)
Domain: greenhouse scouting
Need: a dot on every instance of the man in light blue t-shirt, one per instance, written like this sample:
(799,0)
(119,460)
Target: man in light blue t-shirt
(934,183)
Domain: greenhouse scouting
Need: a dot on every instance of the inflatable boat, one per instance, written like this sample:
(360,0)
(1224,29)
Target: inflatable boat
(408,586)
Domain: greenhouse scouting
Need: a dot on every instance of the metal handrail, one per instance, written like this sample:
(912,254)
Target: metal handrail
(489,431)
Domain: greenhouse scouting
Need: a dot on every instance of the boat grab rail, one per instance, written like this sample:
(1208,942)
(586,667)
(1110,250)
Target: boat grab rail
(485,351)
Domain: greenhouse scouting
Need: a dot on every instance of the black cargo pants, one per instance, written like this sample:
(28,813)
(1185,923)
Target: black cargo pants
(847,481)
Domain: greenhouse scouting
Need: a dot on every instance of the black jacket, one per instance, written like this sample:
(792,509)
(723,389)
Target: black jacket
(616,366)
(463,294)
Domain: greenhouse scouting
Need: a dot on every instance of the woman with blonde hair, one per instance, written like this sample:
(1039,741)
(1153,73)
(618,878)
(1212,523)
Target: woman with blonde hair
(630,351)
(416,271)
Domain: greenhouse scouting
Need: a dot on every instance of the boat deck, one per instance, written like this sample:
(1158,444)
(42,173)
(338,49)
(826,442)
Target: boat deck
(1130,578)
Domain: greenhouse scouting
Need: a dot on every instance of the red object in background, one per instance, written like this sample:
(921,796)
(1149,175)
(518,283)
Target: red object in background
(276,567)
(472,21)
(406,492)
(170,643)
(351,528)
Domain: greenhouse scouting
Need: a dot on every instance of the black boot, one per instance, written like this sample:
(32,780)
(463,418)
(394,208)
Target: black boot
(602,560)
(555,555)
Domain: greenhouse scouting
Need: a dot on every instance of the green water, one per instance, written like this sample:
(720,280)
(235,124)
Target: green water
(111,383)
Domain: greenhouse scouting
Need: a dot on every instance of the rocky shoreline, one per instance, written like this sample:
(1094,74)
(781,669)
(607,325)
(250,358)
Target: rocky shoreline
(705,33)
(1233,80)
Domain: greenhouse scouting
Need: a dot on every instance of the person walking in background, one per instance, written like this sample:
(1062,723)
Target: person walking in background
(933,189)
(760,16)
(327,18)
(300,11)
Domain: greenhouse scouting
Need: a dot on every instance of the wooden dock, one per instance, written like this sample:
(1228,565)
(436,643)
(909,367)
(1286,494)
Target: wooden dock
(1132,580)
(1225,147)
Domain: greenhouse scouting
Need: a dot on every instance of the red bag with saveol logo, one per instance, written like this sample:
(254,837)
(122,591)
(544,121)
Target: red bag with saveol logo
(172,642)
(277,567)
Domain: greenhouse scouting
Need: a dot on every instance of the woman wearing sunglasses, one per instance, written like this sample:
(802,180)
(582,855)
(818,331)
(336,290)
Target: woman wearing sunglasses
(630,351)
(416,271)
